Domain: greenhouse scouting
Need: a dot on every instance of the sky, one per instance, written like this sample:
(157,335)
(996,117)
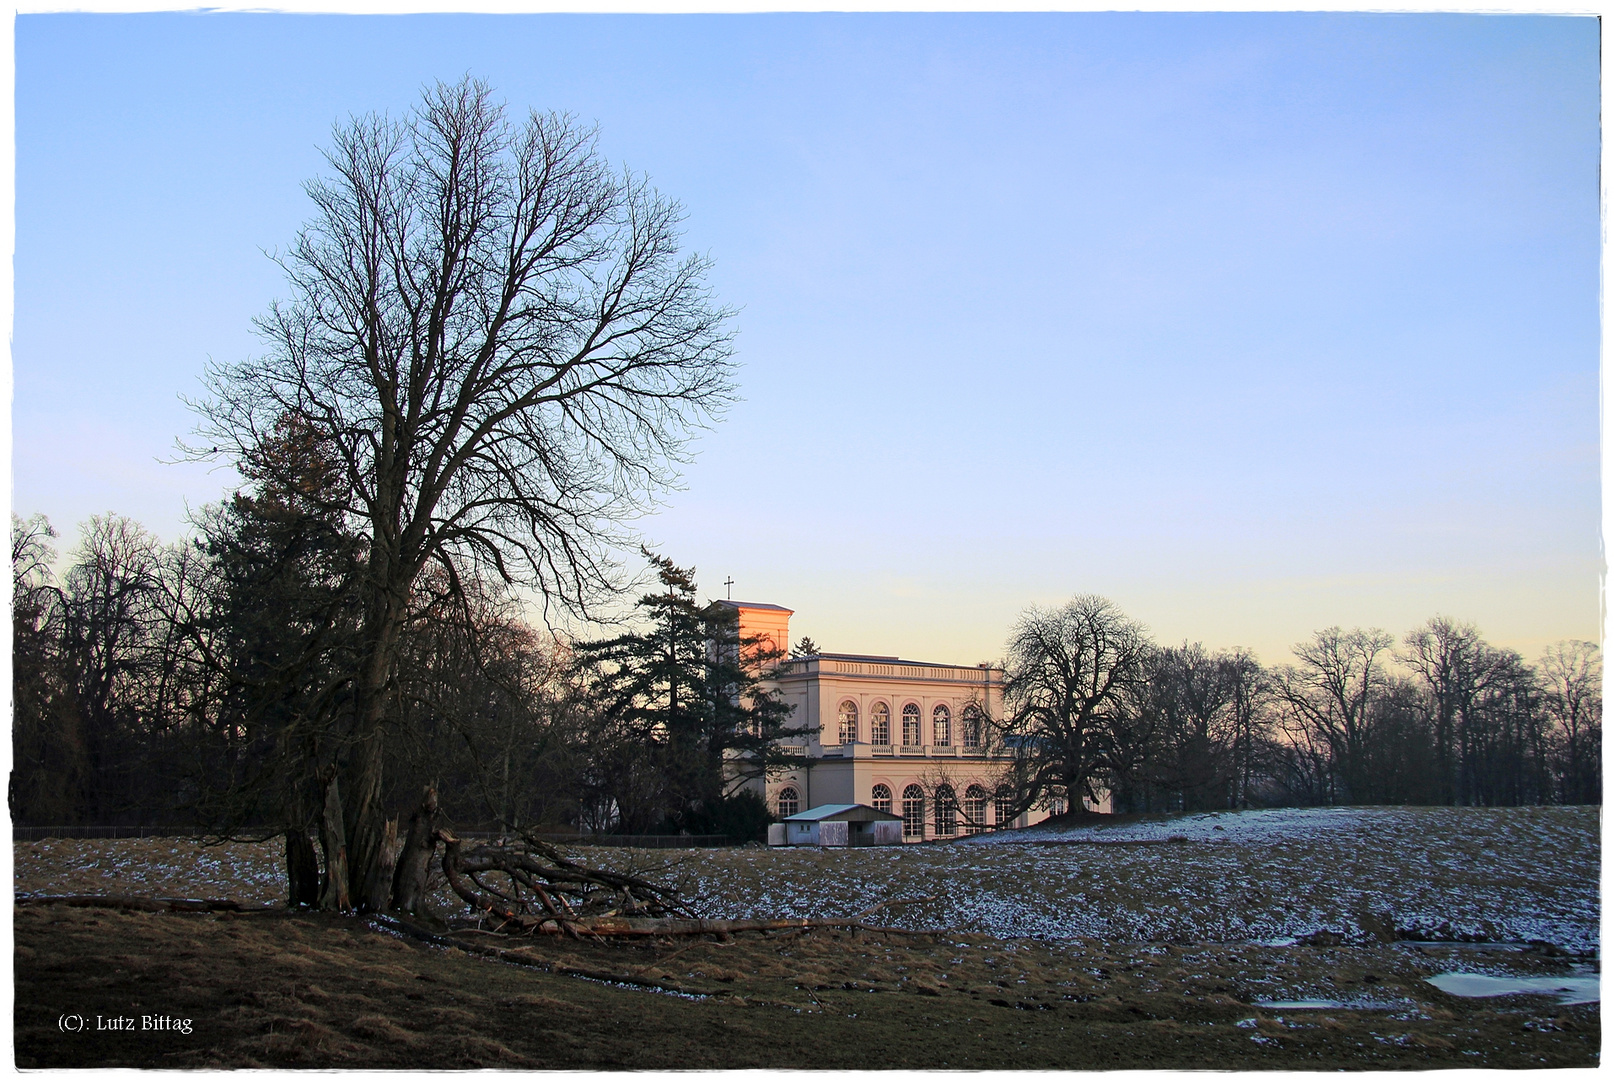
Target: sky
(1255,324)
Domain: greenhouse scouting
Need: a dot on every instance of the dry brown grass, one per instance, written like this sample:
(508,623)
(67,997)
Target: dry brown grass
(314,991)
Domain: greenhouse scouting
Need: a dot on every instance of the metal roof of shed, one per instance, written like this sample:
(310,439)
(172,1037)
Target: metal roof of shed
(843,812)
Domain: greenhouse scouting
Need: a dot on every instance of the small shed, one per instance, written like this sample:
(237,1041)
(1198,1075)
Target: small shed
(837,825)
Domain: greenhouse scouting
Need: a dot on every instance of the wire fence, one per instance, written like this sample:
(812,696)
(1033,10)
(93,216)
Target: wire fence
(22,834)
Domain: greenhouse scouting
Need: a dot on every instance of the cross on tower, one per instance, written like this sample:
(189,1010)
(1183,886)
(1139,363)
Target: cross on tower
(729,584)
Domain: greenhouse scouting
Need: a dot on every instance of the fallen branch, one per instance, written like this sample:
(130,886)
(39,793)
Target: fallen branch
(550,878)
(607,904)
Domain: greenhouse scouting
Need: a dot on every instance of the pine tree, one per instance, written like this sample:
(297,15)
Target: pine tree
(687,697)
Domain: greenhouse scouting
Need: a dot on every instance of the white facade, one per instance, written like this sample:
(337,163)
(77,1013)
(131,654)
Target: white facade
(902,736)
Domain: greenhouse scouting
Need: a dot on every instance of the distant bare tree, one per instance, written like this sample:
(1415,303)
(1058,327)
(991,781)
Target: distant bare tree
(1069,679)
(1197,729)
(1329,693)
(1249,701)
(1572,678)
(1453,664)
(50,770)
(499,341)
(111,620)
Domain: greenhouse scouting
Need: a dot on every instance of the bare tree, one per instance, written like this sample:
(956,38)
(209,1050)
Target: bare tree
(111,619)
(1330,693)
(1572,677)
(1250,694)
(1068,680)
(49,773)
(498,339)
(1453,663)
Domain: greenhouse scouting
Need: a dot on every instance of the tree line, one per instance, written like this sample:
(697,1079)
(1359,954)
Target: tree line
(1095,709)
(203,683)
(206,683)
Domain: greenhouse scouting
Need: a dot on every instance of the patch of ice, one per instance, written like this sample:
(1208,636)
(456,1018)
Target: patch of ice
(1570,989)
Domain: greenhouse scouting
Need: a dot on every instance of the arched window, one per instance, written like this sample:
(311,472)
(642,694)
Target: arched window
(946,811)
(882,798)
(848,722)
(910,724)
(1005,804)
(941,726)
(913,812)
(974,809)
(880,723)
(972,727)
(789,802)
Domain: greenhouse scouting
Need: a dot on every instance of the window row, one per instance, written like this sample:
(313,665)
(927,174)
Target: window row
(941,725)
(949,814)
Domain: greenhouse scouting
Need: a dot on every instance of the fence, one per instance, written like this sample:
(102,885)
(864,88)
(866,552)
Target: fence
(22,834)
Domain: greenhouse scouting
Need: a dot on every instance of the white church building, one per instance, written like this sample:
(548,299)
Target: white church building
(902,736)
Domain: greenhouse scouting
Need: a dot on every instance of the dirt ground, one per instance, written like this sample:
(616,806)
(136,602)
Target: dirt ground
(309,991)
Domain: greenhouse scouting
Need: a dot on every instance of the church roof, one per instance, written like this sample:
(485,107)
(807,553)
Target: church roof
(762,607)
(843,812)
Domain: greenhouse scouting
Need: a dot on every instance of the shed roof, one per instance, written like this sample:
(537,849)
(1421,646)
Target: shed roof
(843,812)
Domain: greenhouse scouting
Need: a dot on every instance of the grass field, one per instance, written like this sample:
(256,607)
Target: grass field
(1150,943)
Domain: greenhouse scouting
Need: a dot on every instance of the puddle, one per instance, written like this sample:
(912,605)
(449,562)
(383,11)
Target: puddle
(1569,989)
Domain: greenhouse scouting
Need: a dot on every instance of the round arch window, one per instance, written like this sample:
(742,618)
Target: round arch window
(1004,807)
(974,809)
(880,724)
(910,724)
(913,812)
(946,811)
(972,727)
(941,723)
(881,798)
(789,802)
(848,714)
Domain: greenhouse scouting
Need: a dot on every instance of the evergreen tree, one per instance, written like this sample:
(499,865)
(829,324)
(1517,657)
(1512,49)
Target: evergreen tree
(685,703)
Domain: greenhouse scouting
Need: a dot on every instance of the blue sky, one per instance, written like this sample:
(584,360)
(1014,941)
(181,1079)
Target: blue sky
(1253,323)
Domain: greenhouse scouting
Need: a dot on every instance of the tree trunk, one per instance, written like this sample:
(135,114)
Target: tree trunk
(334,896)
(409,883)
(302,869)
(377,895)
(364,818)
(364,822)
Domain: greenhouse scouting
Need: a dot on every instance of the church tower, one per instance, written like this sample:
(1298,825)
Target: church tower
(768,622)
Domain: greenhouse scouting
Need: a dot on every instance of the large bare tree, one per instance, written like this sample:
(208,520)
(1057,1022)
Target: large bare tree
(1069,681)
(1330,694)
(1572,676)
(499,340)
